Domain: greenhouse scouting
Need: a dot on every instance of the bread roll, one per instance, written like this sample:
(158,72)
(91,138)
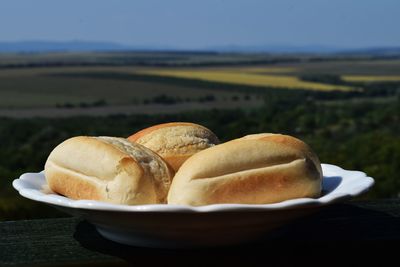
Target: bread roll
(175,141)
(255,169)
(108,169)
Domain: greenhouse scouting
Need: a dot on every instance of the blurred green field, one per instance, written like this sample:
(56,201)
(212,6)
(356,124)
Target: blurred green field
(36,88)
(361,136)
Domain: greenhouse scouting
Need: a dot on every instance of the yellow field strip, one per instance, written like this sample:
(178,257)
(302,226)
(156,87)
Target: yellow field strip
(244,78)
(272,70)
(356,78)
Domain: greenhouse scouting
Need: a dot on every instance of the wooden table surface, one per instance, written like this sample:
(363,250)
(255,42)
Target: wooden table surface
(356,230)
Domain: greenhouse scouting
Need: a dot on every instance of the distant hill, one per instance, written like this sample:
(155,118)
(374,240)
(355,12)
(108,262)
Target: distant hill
(309,49)
(374,51)
(88,46)
(48,46)
(276,49)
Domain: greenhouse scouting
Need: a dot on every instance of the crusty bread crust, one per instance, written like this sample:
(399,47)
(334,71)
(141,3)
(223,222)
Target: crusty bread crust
(176,161)
(108,169)
(175,141)
(73,185)
(251,170)
(288,141)
(146,131)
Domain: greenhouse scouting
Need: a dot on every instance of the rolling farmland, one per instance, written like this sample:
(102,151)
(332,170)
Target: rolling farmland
(145,83)
(64,87)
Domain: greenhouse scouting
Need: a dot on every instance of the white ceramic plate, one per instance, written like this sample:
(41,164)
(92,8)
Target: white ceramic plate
(176,226)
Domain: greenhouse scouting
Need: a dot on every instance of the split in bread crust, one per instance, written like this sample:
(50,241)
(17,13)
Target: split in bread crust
(108,169)
(255,169)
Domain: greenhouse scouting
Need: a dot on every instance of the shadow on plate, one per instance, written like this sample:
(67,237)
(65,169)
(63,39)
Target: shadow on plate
(335,233)
(330,183)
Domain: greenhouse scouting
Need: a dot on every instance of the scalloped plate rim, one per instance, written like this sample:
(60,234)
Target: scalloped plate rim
(364,183)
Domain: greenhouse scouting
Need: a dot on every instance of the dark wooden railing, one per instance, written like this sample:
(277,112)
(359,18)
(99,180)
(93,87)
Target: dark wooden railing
(352,231)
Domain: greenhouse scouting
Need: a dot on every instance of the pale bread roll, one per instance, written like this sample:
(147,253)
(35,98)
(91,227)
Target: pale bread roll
(175,142)
(108,169)
(255,169)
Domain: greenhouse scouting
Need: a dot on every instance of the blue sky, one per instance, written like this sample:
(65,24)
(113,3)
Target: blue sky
(205,23)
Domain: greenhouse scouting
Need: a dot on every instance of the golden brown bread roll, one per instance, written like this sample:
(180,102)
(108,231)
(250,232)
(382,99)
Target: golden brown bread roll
(108,169)
(255,169)
(175,141)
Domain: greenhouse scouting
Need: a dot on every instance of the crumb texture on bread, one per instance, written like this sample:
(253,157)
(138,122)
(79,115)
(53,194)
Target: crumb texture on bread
(176,141)
(107,169)
(178,138)
(249,170)
(151,163)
